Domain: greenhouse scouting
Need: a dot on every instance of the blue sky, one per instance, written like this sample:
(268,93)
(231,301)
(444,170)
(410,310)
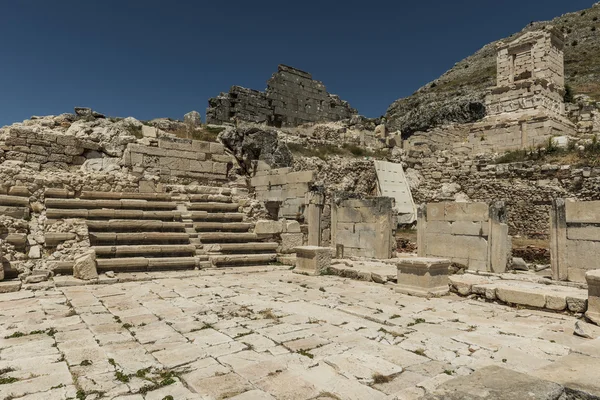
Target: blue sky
(150,58)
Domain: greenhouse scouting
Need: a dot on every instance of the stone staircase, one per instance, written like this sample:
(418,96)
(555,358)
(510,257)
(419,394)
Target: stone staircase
(162,231)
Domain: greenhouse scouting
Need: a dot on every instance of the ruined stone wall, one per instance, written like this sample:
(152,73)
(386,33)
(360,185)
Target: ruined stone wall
(527,188)
(575,238)
(25,144)
(176,157)
(284,188)
(469,234)
(291,99)
(364,227)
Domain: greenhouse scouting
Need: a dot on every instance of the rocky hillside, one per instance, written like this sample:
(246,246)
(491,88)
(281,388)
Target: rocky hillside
(457,96)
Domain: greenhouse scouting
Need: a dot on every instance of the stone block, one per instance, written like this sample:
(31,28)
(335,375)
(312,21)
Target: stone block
(466,212)
(290,241)
(593,308)
(312,260)
(521,294)
(469,228)
(217,148)
(200,147)
(219,168)
(422,276)
(292,226)
(85,266)
(149,131)
(435,212)
(201,166)
(442,227)
(583,212)
(267,227)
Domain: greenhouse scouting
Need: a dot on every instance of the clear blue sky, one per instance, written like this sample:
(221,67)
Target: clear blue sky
(150,58)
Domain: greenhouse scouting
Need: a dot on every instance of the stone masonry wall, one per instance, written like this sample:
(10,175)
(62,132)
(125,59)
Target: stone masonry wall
(27,145)
(179,157)
(469,234)
(292,98)
(365,227)
(526,188)
(575,239)
(287,189)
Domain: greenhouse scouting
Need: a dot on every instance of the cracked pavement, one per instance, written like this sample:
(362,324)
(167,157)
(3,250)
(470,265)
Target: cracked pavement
(262,335)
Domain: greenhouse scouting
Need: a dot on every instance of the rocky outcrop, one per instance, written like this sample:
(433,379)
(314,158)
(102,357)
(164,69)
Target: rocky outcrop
(457,96)
(252,144)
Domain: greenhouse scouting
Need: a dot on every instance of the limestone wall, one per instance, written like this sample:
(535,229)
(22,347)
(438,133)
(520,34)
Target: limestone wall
(365,227)
(469,234)
(179,157)
(292,98)
(575,238)
(284,187)
(25,144)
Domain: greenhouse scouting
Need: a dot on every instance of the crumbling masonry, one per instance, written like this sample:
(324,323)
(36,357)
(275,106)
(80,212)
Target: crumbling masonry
(291,99)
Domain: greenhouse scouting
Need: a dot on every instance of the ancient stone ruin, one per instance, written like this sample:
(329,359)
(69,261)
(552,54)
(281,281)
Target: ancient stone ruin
(292,98)
(171,259)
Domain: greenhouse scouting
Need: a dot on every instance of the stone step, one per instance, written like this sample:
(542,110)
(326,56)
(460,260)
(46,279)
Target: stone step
(57,193)
(529,294)
(216,217)
(58,213)
(252,247)
(146,250)
(145,264)
(210,198)
(135,226)
(125,195)
(214,207)
(242,259)
(15,201)
(111,204)
(53,239)
(218,237)
(15,212)
(223,226)
(139,237)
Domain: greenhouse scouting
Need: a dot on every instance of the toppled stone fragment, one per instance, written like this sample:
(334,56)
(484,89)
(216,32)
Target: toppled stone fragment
(85,267)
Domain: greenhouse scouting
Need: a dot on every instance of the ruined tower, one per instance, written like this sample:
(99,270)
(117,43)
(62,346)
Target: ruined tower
(530,75)
(292,98)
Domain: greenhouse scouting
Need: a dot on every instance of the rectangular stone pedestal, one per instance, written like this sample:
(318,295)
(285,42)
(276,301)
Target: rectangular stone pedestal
(423,276)
(593,281)
(312,260)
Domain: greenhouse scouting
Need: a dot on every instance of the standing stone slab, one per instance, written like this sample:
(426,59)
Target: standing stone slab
(593,281)
(312,260)
(423,276)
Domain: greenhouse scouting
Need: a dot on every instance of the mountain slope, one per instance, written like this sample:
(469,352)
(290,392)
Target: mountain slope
(458,95)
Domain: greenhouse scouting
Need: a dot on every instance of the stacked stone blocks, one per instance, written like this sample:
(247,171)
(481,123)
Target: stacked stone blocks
(471,234)
(574,238)
(180,157)
(27,145)
(291,99)
(283,186)
(364,227)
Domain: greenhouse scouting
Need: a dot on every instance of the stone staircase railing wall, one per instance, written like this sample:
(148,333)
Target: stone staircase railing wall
(474,235)
(574,239)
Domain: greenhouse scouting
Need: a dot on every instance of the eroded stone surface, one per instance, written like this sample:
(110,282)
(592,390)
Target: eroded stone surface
(272,334)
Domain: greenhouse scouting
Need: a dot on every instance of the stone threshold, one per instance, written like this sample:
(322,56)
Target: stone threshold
(525,290)
(122,277)
(521,293)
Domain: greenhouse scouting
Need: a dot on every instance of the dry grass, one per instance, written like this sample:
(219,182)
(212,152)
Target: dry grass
(524,242)
(379,378)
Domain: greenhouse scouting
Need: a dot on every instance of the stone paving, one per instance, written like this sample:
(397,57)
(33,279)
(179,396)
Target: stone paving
(266,335)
